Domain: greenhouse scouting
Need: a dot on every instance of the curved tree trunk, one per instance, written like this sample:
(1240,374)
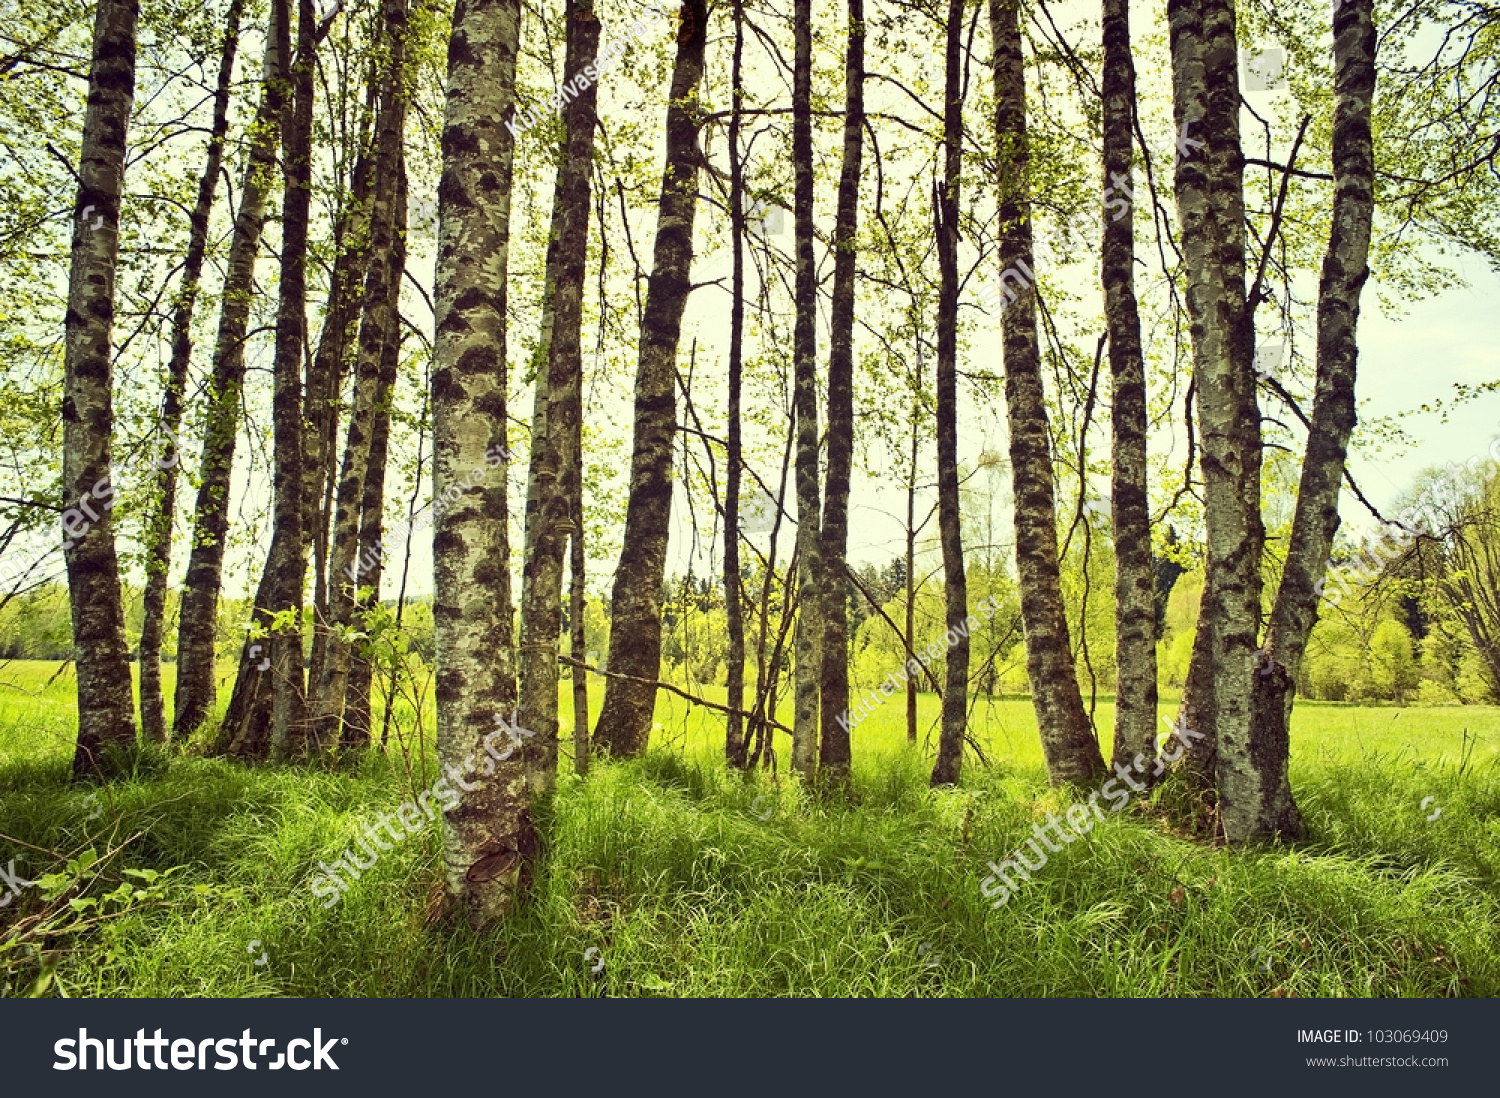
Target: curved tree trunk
(1068,742)
(1135,575)
(106,711)
(635,634)
(1211,209)
(1345,269)
(835,753)
(950,757)
(553,478)
(158,533)
(489,841)
(197,635)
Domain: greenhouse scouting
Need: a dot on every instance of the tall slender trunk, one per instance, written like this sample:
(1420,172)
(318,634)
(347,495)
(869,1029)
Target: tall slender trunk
(197,635)
(808,637)
(106,711)
(554,478)
(1068,742)
(325,378)
(635,607)
(950,757)
(1135,589)
(1345,269)
(285,560)
(379,323)
(358,726)
(734,608)
(489,842)
(1211,209)
(578,598)
(834,755)
(158,534)
(911,551)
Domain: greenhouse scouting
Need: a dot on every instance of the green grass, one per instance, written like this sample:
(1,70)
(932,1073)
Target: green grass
(664,865)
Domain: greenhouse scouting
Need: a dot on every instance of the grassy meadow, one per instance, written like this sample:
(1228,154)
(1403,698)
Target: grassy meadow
(191,877)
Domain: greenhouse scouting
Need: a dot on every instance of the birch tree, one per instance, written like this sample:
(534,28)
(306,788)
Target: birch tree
(285,563)
(489,840)
(161,520)
(806,640)
(945,201)
(554,474)
(834,750)
(379,323)
(1271,810)
(197,628)
(735,751)
(1211,210)
(1068,742)
(106,710)
(357,723)
(1135,576)
(624,724)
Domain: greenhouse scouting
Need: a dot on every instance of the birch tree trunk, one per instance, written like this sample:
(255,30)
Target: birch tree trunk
(194,699)
(1345,269)
(1211,209)
(735,748)
(553,477)
(159,523)
(834,757)
(357,725)
(1135,584)
(1071,750)
(489,841)
(286,562)
(325,379)
(949,764)
(1200,758)
(245,731)
(635,634)
(578,598)
(379,323)
(807,641)
(106,710)
(910,637)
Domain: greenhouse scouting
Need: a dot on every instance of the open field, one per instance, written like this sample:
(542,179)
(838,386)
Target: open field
(690,882)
